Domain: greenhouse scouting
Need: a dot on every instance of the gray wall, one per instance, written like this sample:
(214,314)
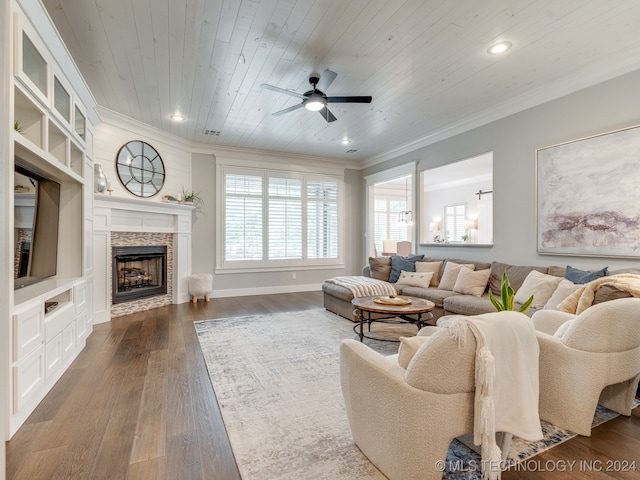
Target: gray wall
(605,107)
(204,239)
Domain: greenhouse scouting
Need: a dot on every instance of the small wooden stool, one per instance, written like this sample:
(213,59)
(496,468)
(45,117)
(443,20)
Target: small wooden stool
(200,284)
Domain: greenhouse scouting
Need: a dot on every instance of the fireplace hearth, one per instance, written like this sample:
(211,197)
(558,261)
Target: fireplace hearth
(138,272)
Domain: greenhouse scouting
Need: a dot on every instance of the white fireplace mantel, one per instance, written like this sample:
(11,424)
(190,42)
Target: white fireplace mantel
(119,214)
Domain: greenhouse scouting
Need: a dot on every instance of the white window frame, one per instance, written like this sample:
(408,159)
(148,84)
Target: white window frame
(237,266)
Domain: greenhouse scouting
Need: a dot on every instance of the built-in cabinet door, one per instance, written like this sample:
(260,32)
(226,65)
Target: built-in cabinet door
(28,377)
(28,327)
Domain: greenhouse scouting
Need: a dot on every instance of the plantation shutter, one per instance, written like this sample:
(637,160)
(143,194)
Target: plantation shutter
(380,222)
(243,217)
(454,216)
(285,218)
(322,219)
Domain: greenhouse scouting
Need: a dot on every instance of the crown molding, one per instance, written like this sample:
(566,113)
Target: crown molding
(587,77)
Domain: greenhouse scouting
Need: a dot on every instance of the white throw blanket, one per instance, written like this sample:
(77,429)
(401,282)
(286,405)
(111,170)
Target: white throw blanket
(507,388)
(364,286)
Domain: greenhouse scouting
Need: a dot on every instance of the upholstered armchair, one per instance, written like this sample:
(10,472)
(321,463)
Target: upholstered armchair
(588,359)
(403,420)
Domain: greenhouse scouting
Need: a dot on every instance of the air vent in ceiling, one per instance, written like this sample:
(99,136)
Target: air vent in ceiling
(351,150)
(215,133)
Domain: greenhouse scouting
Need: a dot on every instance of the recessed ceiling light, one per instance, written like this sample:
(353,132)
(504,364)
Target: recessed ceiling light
(498,48)
(176,117)
(345,141)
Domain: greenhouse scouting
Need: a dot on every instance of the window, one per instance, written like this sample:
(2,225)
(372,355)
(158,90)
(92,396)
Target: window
(454,216)
(276,219)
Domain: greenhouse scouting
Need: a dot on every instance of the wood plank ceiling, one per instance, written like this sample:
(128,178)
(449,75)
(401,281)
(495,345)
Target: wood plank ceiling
(423,61)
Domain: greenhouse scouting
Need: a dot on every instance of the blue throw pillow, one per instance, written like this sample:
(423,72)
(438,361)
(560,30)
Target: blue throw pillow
(584,276)
(398,263)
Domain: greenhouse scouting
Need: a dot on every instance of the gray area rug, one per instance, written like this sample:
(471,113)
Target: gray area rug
(277,380)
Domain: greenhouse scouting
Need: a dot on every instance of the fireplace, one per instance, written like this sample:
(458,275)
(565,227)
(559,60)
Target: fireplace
(138,272)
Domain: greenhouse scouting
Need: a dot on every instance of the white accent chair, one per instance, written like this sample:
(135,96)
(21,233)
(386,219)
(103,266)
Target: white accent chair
(588,359)
(404,420)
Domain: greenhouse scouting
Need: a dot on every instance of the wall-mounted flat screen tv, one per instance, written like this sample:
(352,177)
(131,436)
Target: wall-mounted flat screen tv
(36,221)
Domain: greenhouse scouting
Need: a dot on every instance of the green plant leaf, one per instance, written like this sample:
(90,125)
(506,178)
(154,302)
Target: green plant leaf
(496,302)
(525,306)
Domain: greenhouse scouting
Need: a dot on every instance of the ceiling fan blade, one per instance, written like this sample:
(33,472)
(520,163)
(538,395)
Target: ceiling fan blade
(326,78)
(282,90)
(287,110)
(349,99)
(327,115)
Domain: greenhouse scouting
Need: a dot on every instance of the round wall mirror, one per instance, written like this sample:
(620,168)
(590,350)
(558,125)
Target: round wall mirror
(140,168)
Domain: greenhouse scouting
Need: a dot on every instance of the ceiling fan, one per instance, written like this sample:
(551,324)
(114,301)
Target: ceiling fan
(315,99)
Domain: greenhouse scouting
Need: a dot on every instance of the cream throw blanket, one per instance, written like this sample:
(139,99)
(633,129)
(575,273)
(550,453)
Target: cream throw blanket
(507,388)
(364,286)
(583,297)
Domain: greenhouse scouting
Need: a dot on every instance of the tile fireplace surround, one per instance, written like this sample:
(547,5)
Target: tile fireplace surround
(125,221)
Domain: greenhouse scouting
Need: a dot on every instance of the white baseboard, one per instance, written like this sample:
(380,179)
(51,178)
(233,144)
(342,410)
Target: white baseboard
(244,292)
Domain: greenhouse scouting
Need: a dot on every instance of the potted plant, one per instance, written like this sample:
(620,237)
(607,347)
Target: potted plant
(189,197)
(506,297)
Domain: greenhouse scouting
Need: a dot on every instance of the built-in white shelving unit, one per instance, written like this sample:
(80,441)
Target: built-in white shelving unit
(46,323)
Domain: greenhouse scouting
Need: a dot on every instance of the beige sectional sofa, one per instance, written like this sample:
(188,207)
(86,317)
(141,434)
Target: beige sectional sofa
(448,301)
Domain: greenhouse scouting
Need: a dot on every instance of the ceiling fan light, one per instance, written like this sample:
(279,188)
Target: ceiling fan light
(315,104)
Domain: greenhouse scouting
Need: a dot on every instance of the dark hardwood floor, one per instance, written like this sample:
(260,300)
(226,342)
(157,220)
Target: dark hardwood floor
(138,404)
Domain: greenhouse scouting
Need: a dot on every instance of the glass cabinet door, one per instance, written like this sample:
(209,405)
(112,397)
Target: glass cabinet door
(33,64)
(79,123)
(61,100)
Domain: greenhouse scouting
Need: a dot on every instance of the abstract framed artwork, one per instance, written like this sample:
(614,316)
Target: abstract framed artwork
(588,196)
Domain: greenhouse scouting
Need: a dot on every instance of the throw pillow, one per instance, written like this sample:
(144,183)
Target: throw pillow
(540,285)
(408,348)
(433,267)
(415,279)
(564,289)
(380,268)
(398,263)
(450,274)
(584,276)
(471,282)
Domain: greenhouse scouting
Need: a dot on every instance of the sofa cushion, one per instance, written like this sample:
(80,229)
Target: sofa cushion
(468,305)
(540,285)
(380,268)
(562,291)
(478,265)
(556,271)
(434,295)
(471,282)
(450,275)
(584,276)
(434,267)
(515,273)
(415,279)
(398,263)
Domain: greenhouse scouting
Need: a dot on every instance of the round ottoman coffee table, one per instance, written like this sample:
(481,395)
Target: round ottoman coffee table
(394,310)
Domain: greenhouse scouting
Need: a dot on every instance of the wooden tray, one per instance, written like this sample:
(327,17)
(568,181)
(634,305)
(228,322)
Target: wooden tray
(392,300)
